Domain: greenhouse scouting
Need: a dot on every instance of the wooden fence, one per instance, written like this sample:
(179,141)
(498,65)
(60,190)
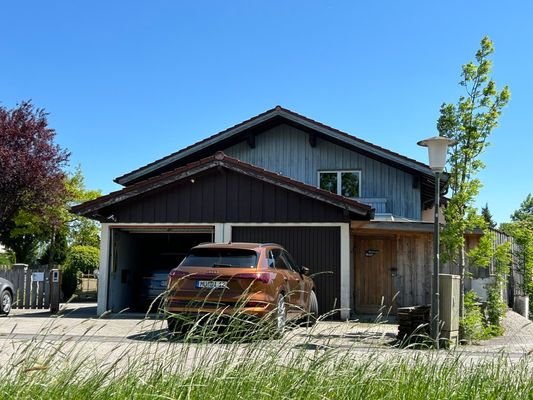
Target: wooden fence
(32,286)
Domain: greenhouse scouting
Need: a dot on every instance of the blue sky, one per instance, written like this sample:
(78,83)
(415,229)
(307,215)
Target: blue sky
(127,82)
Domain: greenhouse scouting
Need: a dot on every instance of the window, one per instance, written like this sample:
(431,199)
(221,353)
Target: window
(212,257)
(290,261)
(279,261)
(345,183)
(270,259)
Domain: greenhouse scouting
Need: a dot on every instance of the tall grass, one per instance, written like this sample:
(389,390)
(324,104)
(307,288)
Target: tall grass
(214,363)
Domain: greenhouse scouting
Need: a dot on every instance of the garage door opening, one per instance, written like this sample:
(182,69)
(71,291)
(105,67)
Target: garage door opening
(142,259)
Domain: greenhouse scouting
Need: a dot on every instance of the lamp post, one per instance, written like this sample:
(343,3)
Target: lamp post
(437,149)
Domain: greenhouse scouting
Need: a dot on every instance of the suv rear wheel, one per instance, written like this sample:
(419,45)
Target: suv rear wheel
(280,316)
(312,316)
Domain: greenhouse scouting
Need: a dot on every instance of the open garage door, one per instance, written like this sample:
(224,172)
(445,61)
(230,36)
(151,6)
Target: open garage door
(142,258)
(315,247)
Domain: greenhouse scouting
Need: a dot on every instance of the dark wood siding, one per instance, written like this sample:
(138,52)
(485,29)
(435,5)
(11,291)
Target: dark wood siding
(220,195)
(315,247)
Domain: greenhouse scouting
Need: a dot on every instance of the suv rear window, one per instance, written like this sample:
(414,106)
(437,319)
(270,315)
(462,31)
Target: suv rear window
(240,258)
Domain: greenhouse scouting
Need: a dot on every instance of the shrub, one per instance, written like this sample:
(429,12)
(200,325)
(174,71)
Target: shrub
(7,258)
(84,258)
(80,259)
(495,311)
(496,307)
(472,324)
(69,281)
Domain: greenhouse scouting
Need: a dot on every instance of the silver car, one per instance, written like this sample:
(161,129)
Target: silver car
(6,296)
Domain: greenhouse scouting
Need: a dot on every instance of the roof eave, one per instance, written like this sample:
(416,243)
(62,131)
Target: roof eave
(220,159)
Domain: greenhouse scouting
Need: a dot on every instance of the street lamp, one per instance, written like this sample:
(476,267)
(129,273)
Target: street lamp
(437,149)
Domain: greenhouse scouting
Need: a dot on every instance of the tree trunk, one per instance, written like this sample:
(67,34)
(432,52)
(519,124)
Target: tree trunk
(462,269)
(51,254)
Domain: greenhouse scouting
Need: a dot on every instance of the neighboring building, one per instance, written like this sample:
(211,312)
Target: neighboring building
(348,209)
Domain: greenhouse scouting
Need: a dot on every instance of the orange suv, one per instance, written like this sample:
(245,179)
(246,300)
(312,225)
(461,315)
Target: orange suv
(251,279)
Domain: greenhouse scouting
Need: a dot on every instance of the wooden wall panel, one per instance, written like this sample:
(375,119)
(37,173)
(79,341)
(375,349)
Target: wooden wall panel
(414,267)
(286,150)
(224,196)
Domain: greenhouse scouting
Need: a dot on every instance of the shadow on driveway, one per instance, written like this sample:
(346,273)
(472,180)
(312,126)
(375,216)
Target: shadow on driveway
(83,311)
(70,310)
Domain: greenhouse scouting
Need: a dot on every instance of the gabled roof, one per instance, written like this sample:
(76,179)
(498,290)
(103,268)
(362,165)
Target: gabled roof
(91,208)
(264,120)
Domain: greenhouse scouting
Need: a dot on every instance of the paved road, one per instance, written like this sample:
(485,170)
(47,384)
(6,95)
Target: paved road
(30,337)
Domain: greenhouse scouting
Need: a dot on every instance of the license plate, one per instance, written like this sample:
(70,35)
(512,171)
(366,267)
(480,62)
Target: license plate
(211,284)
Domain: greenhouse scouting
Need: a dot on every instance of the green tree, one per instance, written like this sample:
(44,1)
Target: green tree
(31,173)
(525,212)
(28,234)
(52,230)
(7,258)
(521,229)
(487,216)
(57,249)
(84,258)
(470,122)
(82,231)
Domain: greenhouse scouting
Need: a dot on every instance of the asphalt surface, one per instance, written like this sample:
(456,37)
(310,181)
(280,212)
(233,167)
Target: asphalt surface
(32,336)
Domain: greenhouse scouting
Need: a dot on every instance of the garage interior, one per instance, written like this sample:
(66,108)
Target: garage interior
(141,257)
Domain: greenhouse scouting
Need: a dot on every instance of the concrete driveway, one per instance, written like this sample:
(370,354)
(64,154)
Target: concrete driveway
(31,337)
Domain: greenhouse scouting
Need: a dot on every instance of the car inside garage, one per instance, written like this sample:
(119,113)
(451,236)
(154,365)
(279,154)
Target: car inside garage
(141,258)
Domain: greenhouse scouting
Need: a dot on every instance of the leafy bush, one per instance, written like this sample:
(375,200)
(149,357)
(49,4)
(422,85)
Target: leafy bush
(496,306)
(84,258)
(472,324)
(495,311)
(69,281)
(80,259)
(491,323)
(7,258)
(476,325)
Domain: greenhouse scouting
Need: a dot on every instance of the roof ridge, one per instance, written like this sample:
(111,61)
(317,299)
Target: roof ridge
(277,110)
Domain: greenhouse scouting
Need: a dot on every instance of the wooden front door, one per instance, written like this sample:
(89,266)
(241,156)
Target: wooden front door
(373,274)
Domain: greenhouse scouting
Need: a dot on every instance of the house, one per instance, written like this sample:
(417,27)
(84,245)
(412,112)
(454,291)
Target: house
(351,211)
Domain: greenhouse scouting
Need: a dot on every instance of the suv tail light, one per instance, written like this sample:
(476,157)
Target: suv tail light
(264,277)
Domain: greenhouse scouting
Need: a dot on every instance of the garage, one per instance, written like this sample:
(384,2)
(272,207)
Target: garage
(148,227)
(142,258)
